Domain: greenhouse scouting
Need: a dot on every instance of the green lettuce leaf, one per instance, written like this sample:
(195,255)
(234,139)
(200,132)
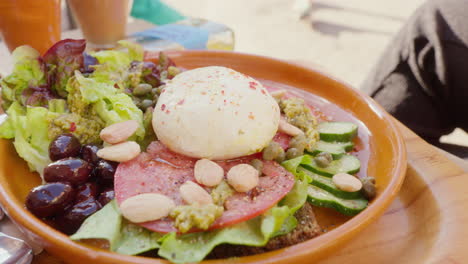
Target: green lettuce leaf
(104,224)
(91,89)
(29,127)
(123,237)
(118,108)
(28,70)
(136,239)
(135,51)
(114,67)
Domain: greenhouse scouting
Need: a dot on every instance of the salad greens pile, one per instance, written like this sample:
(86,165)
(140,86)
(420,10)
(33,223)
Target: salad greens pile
(70,91)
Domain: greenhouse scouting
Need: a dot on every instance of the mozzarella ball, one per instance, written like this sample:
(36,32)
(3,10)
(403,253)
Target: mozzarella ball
(215,113)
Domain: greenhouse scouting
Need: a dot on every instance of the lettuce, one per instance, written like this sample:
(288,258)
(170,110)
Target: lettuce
(29,127)
(130,239)
(114,67)
(118,108)
(123,237)
(28,70)
(63,59)
(91,89)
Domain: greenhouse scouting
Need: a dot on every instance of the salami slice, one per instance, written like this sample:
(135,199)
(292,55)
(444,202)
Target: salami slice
(162,171)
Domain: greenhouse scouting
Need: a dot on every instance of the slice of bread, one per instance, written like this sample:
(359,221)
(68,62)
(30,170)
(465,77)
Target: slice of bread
(306,229)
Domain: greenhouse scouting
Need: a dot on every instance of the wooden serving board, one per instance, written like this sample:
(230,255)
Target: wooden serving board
(427,223)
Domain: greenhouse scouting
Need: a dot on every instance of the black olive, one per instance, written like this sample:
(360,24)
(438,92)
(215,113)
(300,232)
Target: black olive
(75,171)
(64,146)
(105,170)
(72,219)
(89,153)
(106,196)
(50,199)
(86,191)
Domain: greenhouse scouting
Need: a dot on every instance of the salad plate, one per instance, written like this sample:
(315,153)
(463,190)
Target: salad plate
(385,160)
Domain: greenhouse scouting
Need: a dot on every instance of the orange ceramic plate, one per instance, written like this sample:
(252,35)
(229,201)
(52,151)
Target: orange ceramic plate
(388,164)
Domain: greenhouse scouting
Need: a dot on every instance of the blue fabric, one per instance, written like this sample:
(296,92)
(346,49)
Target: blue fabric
(155,11)
(187,36)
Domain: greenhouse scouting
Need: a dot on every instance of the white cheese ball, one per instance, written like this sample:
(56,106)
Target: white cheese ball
(215,113)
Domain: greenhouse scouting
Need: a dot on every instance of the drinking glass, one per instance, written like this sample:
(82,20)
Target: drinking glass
(26,22)
(103,22)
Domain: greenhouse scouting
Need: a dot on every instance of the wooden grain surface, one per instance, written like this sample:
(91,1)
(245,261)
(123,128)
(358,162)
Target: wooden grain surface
(425,224)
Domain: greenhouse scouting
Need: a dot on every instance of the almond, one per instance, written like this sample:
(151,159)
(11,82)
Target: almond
(120,152)
(208,173)
(146,207)
(193,193)
(347,182)
(119,132)
(289,129)
(243,177)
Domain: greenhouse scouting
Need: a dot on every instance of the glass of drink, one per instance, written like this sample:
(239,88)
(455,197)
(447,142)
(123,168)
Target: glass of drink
(25,22)
(103,22)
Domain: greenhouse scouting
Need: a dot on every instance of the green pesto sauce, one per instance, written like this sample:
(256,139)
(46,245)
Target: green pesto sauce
(298,114)
(83,122)
(86,129)
(195,216)
(221,193)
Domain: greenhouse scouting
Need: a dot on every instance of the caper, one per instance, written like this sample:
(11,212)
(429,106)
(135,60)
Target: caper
(163,75)
(368,187)
(281,156)
(323,159)
(272,151)
(142,89)
(155,98)
(136,101)
(298,142)
(154,91)
(172,71)
(293,153)
(146,103)
(257,164)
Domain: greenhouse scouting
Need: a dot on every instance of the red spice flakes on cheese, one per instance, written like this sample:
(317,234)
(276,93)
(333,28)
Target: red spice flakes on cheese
(251,116)
(181,102)
(163,107)
(253,85)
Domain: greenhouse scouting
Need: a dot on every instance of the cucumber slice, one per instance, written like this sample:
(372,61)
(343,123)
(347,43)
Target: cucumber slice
(336,149)
(337,131)
(327,184)
(347,163)
(322,198)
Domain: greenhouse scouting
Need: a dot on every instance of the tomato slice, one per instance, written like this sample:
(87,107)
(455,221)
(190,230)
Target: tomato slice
(163,171)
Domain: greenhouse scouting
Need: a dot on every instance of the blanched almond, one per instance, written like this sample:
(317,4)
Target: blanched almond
(347,182)
(120,152)
(193,193)
(208,173)
(278,94)
(243,177)
(119,132)
(289,129)
(146,207)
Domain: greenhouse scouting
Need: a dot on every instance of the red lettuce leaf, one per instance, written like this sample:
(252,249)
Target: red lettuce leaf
(62,60)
